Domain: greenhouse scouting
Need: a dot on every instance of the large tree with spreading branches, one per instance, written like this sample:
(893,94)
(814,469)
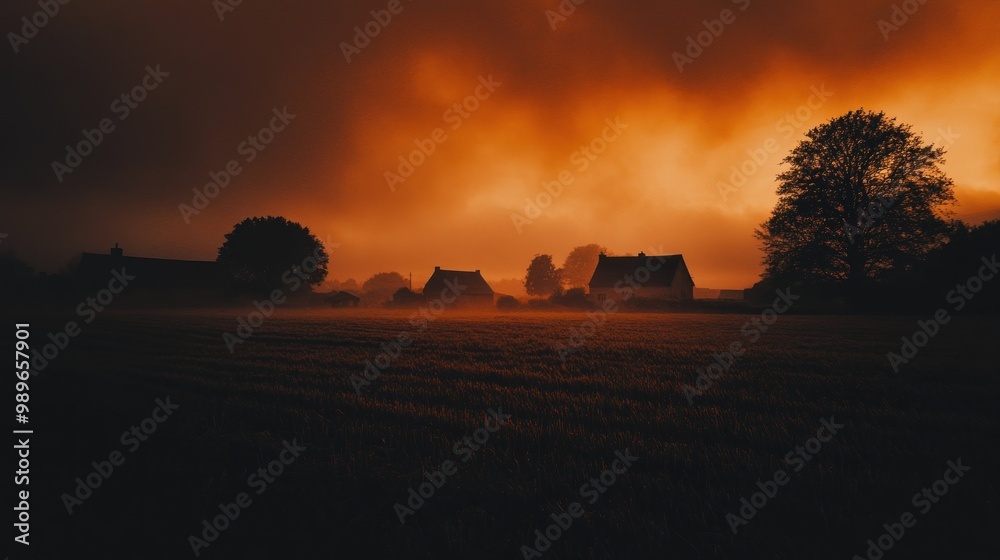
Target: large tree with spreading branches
(862,200)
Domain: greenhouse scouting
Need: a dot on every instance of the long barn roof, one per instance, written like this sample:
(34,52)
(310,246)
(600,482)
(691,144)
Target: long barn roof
(150,270)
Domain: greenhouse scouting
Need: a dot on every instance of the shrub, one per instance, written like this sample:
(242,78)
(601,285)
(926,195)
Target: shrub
(507,302)
(573,297)
(406,297)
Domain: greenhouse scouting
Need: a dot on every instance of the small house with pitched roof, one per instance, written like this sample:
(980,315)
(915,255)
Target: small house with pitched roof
(663,277)
(470,287)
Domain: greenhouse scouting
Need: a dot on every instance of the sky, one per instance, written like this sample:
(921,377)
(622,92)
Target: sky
(663,144)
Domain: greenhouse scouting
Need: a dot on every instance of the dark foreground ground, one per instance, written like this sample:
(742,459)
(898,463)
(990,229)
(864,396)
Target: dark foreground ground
(695,462)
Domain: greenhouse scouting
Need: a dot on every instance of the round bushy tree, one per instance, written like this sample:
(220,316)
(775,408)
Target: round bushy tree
(580,264)
(542,278)
(265,253)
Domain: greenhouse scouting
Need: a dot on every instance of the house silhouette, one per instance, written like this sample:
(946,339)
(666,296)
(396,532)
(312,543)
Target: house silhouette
(165,276)
(342,299)
(474,290)
(664,277)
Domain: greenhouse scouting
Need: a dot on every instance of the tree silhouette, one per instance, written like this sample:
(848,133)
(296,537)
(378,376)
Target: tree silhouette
(271,252)
(857,204)
(542,279)
(380,287)
(13,270)
(580,264)
(968,248)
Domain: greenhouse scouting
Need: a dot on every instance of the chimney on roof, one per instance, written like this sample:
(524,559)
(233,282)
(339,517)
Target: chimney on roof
(642,255)
(116,251)
(601,256)
(477,271)
(437,268)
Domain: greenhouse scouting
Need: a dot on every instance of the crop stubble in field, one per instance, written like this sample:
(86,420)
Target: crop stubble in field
(623,391)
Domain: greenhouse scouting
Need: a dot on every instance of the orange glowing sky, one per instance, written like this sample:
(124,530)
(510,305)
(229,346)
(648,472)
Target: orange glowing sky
(655,186)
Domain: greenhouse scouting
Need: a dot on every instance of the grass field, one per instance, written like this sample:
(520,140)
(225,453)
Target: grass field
(364,452)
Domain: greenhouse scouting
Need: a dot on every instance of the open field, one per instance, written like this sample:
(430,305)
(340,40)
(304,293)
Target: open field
(364,452)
